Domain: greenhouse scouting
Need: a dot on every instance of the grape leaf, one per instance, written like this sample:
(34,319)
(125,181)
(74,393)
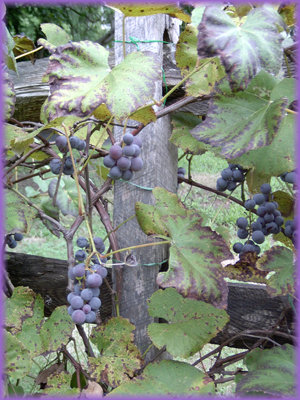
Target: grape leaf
(196,251)
(191,323)
(55,35)
(145,115)
(197,15)
(167,378)
(244,49)
(286,203)
(23,45)
(119,355)
(8,49)
(17,358)
(67,195)
(80,81)
(281,260)
(150,8)
(245,269)
(239,122)
(10,96)
(18,215)
(59,384)
(202,82)
(17,139)
(270,371)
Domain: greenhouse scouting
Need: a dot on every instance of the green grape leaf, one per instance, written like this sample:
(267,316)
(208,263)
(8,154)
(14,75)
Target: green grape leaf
(150,8)
(67,195)
(281,260)
(276,158)
(244,49)
(8,49)
(59,384)
(286,203)
(145,115)
(23,45)
(55,35)
(182,123)
(80,81)
(239,122)
(17,139)
(285,88)
(197,15)
(10,96)
(196,251)
(191,323)
(202,82)
(18,214)
(19,307)
(120,358)
(270,371)
(17,358)
(167,378)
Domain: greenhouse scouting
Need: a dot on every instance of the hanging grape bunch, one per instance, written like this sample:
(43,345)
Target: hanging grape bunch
(124,160)
(12,239)
(231,177)
(84,300)
(269,221)
(56,164)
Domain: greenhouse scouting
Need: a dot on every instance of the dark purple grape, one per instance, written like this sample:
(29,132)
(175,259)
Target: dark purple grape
(269,217)
(76,302)
(258,237)
(55,165)
(62,144)
(249,248)
(18,236)
(265,188)
(129,150)
(242,222)
(80,255)
(288,231)
(68,170)
(78,317)
(95,303)
(79,270)
(270,206)
(93,280)
(221,184)
(99,244)
(256,226)
(102,271)
(127,175)
(250,204)
(272,227)
(231,186)
(124,163)
(90,317)
(181,171)
(291,177)
(261,211)
(259,198)
(71,274)
(11,242)
(136,164)
(68,162)
(82,242)
(108,161)
(138,141)
(86,308)
(74,142)
(115,151)
(128,138)
(279,220)
(238,176)
(242,233)
(86,294)
(115,173)
(81,145)
(238,247)
(226,174)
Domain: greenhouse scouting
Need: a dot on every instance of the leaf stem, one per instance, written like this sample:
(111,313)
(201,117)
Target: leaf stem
(138,247)
(29,52)
(291,111)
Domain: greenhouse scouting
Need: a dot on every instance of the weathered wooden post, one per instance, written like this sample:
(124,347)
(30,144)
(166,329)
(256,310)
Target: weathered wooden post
(160,169)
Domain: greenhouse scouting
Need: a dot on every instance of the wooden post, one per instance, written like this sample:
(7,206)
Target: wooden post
(160,169)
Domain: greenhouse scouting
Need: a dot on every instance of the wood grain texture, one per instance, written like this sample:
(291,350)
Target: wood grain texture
(249,305)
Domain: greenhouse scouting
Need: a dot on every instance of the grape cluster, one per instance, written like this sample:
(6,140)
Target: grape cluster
(289,177)
(230,177)
(84,300)
(269,221)
(12,238)
(123,158)
(66,166)
(290,230)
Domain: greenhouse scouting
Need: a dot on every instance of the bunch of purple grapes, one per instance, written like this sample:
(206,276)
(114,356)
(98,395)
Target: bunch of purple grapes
(66,166)
(84,300)
(269,221)
(290,230)
(123,158)
(231,177)
(12,238)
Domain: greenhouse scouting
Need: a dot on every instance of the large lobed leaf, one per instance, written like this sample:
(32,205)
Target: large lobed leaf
(17,358)
(120,358)
(246,48)
(239,122)
(80,81)
(271,372)
(167,378)
(191,323)
(196,251)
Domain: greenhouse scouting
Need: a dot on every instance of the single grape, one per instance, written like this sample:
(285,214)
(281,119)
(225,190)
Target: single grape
(270,206)
(86,294)
(221,184)
(279,220)
(269,217)
(265,188)
(261,211)
(74,142)
(238,176)
(93,280)
(115,173)
(11,242)
(136,164)
(68,162)
(81,145)
(242,233)
(137,150)
(80,255)
(115,151)
(78,317)
(70,297)
(290,177)
(226,174)
(79,270)
(86,308)
(124,163)
(95,303)
(76,302)
(181,171)
(256,226)
(18,236)
(129,150)
(99,244)
(258,237)
(249,248)
(108,161)
(82,242)
(96,291)
(68,170)
(242,222)
(259,198)
(138,141)
(127,175)
(71,274)
(62,143)
(102,271)
(238,247)
(272,227)
(77,289)
(55,165)
(128,138)
(70,310)
(231,186)
(250,204)
(90,317)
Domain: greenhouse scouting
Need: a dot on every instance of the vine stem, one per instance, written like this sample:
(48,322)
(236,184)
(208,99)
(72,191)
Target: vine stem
(29,52)
(138,247)
(291,111)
